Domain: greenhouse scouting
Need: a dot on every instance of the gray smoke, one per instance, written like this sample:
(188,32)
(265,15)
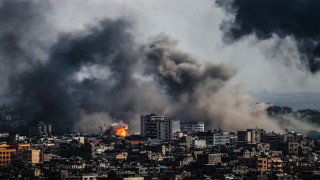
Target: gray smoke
(200,92)
(23,37)
(53,91)
(179,72)
(285,18)
(100,73)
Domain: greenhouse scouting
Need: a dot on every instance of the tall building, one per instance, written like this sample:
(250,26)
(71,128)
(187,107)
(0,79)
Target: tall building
(254,136)
(156,127)
(191,127)
(40,129)
(251,136)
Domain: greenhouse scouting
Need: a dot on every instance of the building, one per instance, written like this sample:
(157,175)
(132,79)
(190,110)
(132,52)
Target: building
(85,151)
(208,136)
(40,129)
(209,158)
(6,152)
(242,137)
(156,127)
(254,136)
(223,138)
(251,136)
(6,156)
(264,165)
(29,155)
(191,127)
(198,143)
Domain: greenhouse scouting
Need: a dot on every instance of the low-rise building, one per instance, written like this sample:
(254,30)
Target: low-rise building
(31,156)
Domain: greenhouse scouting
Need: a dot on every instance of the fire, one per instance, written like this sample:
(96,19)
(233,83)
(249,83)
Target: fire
(121,131)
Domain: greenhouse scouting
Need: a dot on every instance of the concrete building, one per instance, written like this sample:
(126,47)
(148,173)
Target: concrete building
(6,152)
(156,127)
(254,136)
(40,129)
(209,158)
(6,156)
(208,136)
(29,155)
(191,127)
(242,137)
(264,165)
(251,136)
(198,143)
(223,138)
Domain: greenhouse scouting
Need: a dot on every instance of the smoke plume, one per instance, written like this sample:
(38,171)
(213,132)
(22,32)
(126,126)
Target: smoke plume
(285,18)
(23,37)
(101,71)
(200,92)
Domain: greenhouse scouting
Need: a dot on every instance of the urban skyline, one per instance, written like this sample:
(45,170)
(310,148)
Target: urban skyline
(163,89)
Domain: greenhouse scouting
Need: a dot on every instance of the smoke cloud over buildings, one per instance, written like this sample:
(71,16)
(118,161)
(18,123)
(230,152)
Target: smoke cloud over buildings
(71,78)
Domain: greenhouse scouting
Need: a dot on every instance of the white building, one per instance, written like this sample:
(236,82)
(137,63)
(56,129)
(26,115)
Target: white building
(156,127)
(223,138)
(191,127)
(199,143)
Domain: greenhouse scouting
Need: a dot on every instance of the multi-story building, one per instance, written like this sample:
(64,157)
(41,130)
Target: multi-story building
(6,152)
(156,127)
(251,136)
(242,136)
(208,136)
(264,165)
(6,156)
(29,155)
(223,138)
(269,165)
(209,158)
(191,127)
(40,129)
(254,136)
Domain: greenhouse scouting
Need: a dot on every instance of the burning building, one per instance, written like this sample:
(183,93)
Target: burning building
(117,129)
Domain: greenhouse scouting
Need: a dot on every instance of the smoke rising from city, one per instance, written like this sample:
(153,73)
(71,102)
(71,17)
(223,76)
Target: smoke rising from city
(23,37)
(102,71)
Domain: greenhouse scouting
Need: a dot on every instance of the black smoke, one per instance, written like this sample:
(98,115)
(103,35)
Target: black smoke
(57,95)
(101,72)
(185,81)
(23,35)
(178,71)
(296,18)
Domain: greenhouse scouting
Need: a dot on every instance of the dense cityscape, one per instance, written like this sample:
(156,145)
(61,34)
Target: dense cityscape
(156,152)
(161,89)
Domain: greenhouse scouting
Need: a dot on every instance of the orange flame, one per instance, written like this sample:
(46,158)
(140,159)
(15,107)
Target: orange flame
(121,131)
